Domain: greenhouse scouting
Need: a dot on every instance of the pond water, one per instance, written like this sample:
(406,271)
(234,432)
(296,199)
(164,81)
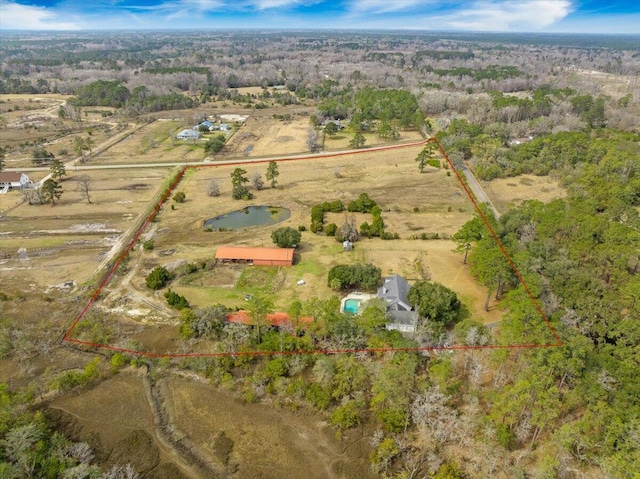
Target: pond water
(249,216)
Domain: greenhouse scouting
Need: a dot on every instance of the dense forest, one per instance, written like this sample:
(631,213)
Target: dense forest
(566,107)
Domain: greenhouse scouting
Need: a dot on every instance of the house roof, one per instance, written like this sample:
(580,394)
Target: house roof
(248,253)
(10,176)
(276,319)
(189,132)
(395,291)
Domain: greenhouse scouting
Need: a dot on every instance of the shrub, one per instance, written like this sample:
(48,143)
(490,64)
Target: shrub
(176,300)
(192,268)
(433,162)
(158,278)
(346,416)
(302,228)
(179,197)
(364,276)
(331,229)
(148,245)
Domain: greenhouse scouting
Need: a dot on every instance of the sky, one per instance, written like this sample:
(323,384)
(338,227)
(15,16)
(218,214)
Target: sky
(555,16)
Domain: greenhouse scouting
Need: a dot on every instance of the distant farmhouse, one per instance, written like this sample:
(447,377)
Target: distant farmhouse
(188,134)
(13,179)
(205,124)
(394,293)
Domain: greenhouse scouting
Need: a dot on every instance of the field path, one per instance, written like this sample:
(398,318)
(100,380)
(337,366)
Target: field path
(479,193)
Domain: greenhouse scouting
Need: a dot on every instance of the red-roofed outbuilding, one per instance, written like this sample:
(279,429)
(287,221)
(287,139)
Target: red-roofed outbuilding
(275,319)
(256,256)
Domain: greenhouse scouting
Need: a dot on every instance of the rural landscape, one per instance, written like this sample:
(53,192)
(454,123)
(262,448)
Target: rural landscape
(320,254)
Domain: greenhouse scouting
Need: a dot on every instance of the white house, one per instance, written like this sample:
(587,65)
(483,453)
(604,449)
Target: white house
(188,134)
(13,179)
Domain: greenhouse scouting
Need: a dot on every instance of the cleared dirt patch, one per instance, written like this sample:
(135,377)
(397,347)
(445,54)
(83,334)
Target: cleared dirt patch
(513,191)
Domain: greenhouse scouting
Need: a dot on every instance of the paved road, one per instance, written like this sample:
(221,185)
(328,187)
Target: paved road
(479,193)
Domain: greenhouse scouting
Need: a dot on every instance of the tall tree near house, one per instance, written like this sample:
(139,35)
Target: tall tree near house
(357,141)
(85,183)
(258,308)
(331,129)
(57,169)
(51,191)
(425,155)
(272,173)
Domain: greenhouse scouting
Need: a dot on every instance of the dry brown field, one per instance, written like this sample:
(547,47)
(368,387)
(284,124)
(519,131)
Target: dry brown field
(25,119)
(257,436)
(68,241)
(505,192)
(153,143)
(115,419)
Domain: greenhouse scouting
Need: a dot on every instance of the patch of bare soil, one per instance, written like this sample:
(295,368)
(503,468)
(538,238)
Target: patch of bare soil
(513,191)
(258,441)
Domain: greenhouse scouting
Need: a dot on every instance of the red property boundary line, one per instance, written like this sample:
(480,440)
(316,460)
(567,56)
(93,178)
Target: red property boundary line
(68,339)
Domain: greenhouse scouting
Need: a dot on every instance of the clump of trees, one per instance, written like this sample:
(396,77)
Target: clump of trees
(363,204)
(318,211)
(215,144)
(363,276)
(286,237)
(434,302)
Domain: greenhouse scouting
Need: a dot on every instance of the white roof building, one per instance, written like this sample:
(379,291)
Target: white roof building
(188,134)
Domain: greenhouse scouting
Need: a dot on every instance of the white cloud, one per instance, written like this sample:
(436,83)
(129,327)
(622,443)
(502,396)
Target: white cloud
(511,15)
(268,4)
(14,16)
(384,6)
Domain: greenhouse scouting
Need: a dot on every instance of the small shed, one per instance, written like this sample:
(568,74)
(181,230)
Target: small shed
(13,179)
(188,134)
(347,245)
(255,256)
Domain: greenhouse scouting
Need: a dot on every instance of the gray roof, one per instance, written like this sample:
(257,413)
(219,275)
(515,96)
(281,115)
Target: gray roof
(188,133)
(394,292)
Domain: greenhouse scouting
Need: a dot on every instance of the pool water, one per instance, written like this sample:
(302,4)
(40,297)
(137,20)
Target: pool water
(249,216)
(351,306)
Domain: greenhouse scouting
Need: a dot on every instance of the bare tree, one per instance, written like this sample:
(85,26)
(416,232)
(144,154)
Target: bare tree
(85,184)
(312,139)
(257,181)
(213,187)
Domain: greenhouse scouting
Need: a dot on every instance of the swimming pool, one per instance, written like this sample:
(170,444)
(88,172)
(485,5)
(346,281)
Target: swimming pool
(351,306)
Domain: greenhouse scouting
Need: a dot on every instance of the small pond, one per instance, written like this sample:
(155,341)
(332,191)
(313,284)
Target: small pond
(249,216)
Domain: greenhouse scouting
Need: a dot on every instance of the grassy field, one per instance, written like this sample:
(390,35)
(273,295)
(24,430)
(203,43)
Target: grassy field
(513,191)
